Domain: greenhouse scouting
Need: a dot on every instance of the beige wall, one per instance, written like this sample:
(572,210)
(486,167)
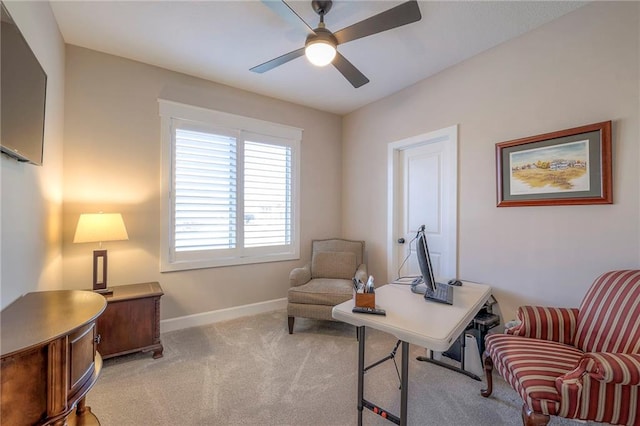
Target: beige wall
(580,69)
(31,222)
(112,164)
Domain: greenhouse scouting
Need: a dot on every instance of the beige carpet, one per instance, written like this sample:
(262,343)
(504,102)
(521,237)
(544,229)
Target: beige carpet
(250,371)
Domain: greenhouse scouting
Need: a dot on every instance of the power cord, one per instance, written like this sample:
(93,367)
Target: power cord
(407,258)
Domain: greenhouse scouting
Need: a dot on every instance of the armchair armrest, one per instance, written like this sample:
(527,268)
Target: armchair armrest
(361,273)
(546,323)
(601,367)
(607,367)
(299,276)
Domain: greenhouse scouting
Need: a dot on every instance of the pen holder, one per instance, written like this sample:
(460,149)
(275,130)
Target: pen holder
(365,300)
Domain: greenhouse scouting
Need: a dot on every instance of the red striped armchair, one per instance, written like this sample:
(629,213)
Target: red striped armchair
(576,363)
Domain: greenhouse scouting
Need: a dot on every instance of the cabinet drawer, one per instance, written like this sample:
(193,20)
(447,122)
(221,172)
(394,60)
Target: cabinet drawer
(81,356)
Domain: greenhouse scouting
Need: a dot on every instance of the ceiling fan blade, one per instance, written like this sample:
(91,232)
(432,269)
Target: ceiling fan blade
(403,14)
(349,71)
(282,9)
(276,62)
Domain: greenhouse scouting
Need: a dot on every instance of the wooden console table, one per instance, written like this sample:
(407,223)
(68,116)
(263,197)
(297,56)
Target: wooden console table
(131,322)
(48,358)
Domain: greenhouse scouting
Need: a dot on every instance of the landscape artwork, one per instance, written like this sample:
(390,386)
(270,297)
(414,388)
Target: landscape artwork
(557,168)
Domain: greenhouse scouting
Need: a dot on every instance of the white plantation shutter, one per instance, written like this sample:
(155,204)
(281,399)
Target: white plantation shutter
(205,191)
(230,189)
(267,194)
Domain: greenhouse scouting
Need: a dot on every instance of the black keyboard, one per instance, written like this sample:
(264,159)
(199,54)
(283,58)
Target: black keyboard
(442,294)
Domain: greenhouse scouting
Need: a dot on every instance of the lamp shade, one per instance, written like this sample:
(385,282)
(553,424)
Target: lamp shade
(100,227)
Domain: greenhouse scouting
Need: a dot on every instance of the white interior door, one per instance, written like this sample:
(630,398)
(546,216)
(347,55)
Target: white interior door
(423,191)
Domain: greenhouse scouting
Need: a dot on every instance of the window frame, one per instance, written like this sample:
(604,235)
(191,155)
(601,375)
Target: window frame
(173,113)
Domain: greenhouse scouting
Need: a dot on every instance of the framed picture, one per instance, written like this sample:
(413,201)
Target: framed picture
(567,167)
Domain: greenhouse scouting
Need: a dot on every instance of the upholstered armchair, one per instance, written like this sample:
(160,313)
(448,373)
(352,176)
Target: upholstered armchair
(326,280)
(577,363)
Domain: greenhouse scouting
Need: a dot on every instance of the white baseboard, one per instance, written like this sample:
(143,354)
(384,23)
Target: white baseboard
(211,317)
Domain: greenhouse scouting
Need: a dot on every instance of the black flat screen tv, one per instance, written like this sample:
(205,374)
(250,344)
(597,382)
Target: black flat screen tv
(23,94)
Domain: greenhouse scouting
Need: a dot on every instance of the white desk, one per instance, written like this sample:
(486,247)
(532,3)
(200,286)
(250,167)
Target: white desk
(412,319)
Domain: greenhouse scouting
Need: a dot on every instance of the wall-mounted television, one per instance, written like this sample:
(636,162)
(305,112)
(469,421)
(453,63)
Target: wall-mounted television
(22,96)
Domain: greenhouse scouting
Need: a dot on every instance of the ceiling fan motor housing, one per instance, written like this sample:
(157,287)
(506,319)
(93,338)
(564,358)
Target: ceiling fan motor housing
(321,35)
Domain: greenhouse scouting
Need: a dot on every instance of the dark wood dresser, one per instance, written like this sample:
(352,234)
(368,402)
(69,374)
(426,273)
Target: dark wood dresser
(131,322)
(48,358)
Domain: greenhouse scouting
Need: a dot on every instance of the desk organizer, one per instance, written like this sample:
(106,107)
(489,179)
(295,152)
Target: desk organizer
(366,300)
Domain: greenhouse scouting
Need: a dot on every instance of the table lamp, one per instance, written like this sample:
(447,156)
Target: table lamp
(98,228)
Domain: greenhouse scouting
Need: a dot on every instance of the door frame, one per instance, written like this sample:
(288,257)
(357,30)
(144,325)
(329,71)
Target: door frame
(449,135)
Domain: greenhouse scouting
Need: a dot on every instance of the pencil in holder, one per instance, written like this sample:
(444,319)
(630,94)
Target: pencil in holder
(365,300)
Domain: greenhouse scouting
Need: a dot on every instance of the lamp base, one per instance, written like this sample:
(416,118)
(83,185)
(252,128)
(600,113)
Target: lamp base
(99,271)
(103,291)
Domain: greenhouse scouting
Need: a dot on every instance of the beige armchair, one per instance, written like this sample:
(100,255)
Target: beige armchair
(326,281)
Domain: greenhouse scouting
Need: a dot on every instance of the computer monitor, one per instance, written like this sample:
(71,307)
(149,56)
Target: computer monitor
(424,261)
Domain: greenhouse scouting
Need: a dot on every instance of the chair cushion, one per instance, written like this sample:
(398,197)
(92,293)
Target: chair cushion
(322,291)
(531,366)
(333,264)
(338,244)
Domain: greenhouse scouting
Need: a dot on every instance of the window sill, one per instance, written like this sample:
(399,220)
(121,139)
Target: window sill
(186,265)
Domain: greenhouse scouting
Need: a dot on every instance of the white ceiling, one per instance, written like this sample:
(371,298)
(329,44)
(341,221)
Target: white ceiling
(221,40)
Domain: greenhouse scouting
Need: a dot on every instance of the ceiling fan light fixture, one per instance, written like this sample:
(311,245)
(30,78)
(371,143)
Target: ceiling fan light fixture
(320,53)
(320,48)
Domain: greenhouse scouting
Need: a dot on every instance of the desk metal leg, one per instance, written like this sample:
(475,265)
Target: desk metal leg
(361,337)
(452,367)
(404,392)
(431,360)
(404,382)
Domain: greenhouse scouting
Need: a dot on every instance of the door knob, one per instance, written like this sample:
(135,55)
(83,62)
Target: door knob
(400,240)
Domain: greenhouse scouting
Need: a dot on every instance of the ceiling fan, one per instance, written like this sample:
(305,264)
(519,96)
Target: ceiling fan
(320,46)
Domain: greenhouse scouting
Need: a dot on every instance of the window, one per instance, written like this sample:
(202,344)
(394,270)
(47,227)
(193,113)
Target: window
(229,189)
